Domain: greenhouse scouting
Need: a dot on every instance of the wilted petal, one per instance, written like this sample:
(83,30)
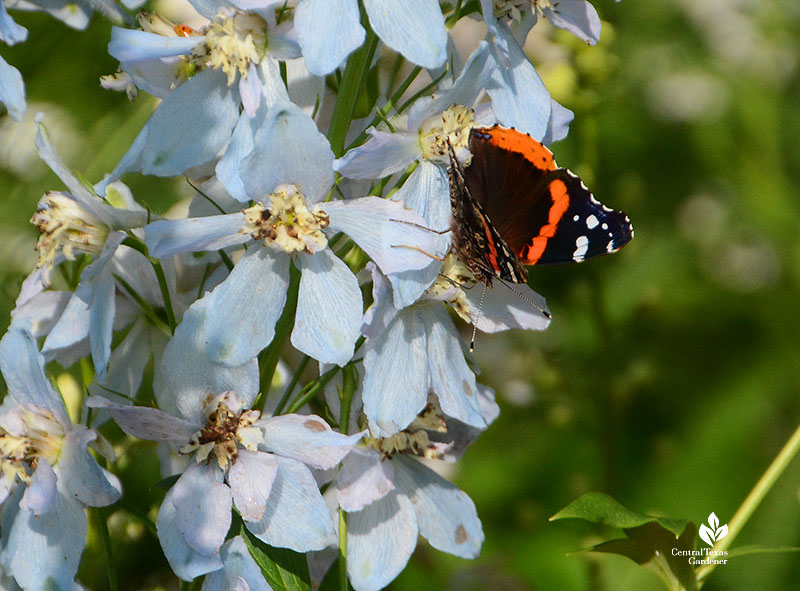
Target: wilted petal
(131,45)
(169,237)
(250,478)
(329,308)
(41,492)
(12,90)
(328,31)
(446,515)
(363,479)
(80,474)
(144,422)
(451,378)
(242,311)
(183,560)
(380,540)
(43,551)
(239,568)
(203,506)
(393,235)
(297,517)
(416,31)
(23,370)
(395,373)
(576,16)
(307,439)
(383,154)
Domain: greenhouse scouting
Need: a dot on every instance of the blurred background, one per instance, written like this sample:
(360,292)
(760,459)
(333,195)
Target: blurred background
(670,377)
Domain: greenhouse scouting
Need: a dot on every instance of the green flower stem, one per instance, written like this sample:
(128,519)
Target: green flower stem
(349,384)
(383,111)
(269,357)
(148,310)
(760,490)
(343,585)
(99,514)
(136,244)
(292,384)
(355,75)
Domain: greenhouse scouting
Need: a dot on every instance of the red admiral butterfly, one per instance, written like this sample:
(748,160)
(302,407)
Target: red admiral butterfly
(512,206)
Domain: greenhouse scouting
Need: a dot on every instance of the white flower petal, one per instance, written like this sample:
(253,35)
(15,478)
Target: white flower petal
(504,309)
(169,237)
(446,515)
(81,475)
(240,571)
(131,45)
(144,422)
(307,439)
(183,560)
(363,479)
(297,517)
(395,373)
(12,90)
(203,507)
(381,155)
(328,31)
(41,491)
(250,478)
(329,308)
(414,29)
(576,16)
(380,540)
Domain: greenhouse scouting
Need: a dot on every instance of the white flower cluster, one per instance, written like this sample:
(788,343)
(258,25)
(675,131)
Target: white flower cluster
(288,255)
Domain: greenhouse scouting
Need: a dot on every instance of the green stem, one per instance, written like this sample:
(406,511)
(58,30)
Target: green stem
(105,541)
(290,388)
(136,244)
(269,357)
(343,586)
(760,490)
(355,74)
(349,384)
(148,310)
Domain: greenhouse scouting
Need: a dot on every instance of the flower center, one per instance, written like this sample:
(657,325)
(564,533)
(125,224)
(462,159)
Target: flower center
(454,277)
(288,224)
(413,439)
(453,124)
(513,9)
(40,436)
(226,428)
(65,226)
(232,43)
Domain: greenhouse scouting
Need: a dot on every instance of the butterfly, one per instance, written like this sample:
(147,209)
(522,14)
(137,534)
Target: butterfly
(512,206)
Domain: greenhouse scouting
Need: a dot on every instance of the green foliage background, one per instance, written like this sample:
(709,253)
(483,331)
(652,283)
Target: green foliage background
(670,376)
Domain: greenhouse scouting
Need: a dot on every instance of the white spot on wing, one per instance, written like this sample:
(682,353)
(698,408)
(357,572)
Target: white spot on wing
(592,221)
(576,217)
(581,246)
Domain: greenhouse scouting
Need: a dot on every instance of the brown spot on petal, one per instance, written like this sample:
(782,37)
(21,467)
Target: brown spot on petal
(314,426)
(461,535)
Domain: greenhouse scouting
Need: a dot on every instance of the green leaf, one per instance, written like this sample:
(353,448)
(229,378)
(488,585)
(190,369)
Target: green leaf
(601,508)
(284,569)
(663,544)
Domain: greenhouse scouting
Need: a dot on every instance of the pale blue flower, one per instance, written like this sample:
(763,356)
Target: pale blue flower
(260,465)
(329,30)
(391,498)
(578,17)
(417,350)
(76,223)
(289,161)
(236,55)
(47,475)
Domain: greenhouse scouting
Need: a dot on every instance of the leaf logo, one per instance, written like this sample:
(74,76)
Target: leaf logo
(713,533)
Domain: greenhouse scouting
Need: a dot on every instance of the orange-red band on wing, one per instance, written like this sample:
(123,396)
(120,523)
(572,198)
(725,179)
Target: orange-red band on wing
(521,143)
(531,253)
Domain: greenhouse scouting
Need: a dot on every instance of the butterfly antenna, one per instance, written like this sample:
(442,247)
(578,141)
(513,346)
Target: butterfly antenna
(477,319)
(525,298)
